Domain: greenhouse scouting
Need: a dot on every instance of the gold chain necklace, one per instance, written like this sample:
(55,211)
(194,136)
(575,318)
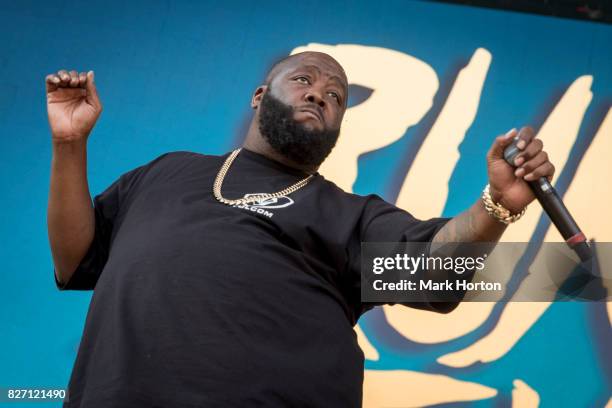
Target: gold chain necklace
(254,198)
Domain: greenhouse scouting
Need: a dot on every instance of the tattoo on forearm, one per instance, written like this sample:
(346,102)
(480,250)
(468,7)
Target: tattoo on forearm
(472,225)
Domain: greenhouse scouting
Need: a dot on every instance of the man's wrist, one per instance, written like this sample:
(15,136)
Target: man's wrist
(76,147)
(498,198)
(497,210)
(69,157)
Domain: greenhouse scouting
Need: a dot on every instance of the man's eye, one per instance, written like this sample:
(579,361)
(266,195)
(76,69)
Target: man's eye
(334,95)
(302,79)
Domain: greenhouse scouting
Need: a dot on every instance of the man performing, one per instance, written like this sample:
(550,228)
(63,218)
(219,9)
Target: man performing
(234,280)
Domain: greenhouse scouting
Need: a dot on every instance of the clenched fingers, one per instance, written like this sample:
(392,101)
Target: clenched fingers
(545,170)
(51,82)
(66,79)
(531,165)
(525,136)
(74,79)
(530,151)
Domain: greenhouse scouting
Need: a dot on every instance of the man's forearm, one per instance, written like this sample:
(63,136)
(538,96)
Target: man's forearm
(472,225)
(70,214)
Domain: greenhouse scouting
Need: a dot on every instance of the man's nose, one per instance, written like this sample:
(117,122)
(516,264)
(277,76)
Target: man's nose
(314,97)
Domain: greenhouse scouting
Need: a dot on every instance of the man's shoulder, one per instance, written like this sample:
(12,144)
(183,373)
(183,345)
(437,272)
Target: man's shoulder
(331,188)
(170,162)
(182,157)
(186,154)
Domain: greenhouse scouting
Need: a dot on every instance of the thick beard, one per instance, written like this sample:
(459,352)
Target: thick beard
(289,137)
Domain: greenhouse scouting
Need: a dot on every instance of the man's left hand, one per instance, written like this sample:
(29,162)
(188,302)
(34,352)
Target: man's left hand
(508,185)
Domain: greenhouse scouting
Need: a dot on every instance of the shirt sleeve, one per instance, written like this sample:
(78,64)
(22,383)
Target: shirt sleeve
(107,206)
(385,222)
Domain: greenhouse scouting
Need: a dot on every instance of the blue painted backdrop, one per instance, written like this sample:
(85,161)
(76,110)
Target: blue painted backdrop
(179,76)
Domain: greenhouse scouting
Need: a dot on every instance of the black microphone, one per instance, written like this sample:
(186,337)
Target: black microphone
(554,207)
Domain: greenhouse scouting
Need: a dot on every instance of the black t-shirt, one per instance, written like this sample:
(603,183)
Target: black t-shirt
(201,304)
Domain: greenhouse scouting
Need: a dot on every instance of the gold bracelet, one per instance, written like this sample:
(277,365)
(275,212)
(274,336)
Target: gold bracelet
(498,211)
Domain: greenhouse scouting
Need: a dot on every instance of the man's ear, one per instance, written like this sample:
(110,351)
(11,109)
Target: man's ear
(259,93)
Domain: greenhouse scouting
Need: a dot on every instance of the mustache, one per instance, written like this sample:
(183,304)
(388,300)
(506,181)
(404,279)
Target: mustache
(312,108)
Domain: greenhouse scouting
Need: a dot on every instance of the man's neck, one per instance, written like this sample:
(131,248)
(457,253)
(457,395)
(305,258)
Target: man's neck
(261,146)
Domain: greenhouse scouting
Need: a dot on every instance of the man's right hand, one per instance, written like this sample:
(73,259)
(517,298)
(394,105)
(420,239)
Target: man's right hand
(73,105)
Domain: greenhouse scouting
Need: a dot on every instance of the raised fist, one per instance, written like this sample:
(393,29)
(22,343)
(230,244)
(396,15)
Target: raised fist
(73,105)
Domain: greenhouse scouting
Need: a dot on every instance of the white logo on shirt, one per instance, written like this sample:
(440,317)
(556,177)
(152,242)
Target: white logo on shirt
(261,206)
(272,202)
